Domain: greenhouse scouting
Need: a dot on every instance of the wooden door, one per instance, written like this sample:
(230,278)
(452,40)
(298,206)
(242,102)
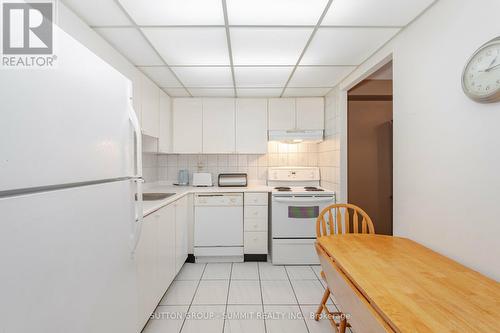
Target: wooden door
(370,152)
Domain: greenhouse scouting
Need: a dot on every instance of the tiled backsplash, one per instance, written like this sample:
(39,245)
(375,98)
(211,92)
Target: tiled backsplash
(279,154)
(329,150)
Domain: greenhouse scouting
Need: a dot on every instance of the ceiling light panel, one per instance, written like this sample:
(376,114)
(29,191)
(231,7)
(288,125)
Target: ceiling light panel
(132,45)
(161,75)
(175,12)
(268,46)
(345,46)
(206,77)
(190,46)
(259,92)
(275,12)
(176,92)
(303,92)
(374,12)
(319,76)
(208,92)
(261,76)
(109,12)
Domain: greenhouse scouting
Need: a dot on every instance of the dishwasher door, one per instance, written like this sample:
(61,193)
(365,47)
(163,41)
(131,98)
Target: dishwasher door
(218,225)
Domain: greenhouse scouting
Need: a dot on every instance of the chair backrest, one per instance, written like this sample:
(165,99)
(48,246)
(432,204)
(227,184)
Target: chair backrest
(336,219)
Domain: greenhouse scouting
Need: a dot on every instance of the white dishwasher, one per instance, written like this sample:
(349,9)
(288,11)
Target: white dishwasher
(218,227)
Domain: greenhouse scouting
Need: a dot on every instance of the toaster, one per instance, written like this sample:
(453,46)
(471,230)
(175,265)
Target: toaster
(202,179)
(232,180)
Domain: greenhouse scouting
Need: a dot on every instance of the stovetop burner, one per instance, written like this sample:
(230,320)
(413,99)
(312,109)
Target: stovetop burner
(283,189)
(312,188)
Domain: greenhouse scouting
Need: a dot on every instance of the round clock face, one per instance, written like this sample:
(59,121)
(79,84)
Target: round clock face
(481,76)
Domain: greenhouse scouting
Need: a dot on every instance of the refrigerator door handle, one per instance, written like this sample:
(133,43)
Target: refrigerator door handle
(137,229)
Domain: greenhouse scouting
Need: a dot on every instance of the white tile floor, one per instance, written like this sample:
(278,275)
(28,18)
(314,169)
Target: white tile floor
(241,298)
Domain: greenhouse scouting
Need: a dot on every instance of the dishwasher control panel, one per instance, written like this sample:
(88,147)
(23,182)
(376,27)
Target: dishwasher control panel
(218,199)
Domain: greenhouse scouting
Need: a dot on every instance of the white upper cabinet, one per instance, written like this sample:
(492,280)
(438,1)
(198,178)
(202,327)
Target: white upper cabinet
(187,125)
(165,140)
(251,126)
(150,108)
(281,114)
(218,125)
(310,113)
(296,114)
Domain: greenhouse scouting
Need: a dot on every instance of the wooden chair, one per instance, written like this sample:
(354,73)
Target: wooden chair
(326,224)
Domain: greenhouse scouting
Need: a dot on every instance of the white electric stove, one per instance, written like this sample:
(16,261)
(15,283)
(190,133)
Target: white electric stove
(296,202)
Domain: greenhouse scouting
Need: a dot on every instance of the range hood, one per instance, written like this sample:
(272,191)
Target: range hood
(296,136)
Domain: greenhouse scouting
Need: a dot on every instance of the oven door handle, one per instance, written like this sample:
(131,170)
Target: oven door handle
(309,200)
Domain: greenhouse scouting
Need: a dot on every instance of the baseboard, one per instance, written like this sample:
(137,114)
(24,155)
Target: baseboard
(256,257)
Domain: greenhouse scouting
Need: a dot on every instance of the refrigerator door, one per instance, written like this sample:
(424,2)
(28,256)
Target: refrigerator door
(66,263)
(67,124)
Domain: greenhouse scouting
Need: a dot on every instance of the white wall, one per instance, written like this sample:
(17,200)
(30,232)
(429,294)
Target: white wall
(446,147)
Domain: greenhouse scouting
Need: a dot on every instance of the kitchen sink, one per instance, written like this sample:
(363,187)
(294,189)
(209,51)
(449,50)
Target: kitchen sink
(155,196)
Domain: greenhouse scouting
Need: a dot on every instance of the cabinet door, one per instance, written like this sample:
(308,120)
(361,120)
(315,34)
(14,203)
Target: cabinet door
(137,95)
(310,113)
(251,126)
(165,140)
(181,233)
(218,125)
(187,125)
(147,273)
(166,247)
(150,108)
(281,114)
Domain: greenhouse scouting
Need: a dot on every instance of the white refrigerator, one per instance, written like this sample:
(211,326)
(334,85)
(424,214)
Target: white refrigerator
(70,167)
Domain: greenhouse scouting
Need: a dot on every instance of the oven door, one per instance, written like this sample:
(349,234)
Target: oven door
(294,216)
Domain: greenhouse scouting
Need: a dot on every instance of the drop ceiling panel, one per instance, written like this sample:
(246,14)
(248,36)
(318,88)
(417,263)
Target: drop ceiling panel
(275,12)
(109,12)
(190,46)
(207,92)
(312,92)
(161,75)
(262,76)
(176,92)
(320,76)
(205,77)
(345,46)
(374,12)
(175,12)
(259,92)
(268,46)
(132,45)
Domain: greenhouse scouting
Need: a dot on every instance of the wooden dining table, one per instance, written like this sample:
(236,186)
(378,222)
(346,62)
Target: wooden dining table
(393,284)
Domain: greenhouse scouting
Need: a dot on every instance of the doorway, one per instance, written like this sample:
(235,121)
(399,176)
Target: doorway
(369,148)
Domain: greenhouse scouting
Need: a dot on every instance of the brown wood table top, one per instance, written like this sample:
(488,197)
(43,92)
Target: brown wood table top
(413,288)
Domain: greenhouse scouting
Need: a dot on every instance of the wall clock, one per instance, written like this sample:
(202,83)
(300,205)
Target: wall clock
(481,75)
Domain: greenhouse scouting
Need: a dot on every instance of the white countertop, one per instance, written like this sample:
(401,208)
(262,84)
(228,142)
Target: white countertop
(180,191)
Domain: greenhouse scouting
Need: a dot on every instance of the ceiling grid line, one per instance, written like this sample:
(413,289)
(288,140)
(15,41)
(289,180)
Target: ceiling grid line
(249,26)
(117,2)
(229,48)
(325,11)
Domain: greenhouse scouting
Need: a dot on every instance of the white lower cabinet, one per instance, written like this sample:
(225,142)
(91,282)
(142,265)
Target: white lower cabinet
(160,254)
(255,223)
(147,268)
(181,232)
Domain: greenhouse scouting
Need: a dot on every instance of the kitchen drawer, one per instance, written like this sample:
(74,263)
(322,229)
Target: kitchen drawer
(255,242)
(256,199)
(255,224)
(255,212)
